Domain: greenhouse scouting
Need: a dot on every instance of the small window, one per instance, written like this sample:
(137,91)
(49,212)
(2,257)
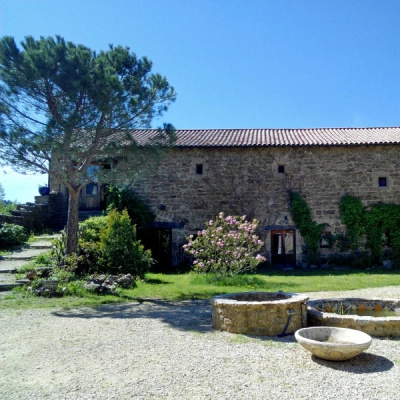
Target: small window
(382,181)
(326,240)
(281,169)
(199,169)
(92,188)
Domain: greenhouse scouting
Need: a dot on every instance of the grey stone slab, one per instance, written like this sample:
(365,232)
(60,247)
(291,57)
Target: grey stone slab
(24,254)
(10,265)
(41,245)
(4,287)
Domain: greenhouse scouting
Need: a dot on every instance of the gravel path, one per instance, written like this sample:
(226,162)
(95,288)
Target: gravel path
(168,350)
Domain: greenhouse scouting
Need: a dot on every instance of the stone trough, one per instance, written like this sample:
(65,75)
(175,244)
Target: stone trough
(259,313)
(376,317)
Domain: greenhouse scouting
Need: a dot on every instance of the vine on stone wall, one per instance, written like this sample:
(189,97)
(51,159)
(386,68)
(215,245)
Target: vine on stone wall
(380,223)
(309,229)
(352,214)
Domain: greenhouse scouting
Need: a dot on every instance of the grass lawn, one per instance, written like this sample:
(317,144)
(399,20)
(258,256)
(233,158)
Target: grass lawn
(190,286)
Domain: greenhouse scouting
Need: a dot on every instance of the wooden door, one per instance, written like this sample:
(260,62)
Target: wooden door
(90,197)
(283,247)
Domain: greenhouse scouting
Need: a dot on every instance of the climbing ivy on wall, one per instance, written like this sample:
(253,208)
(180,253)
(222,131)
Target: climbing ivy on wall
(380,223)
(383,228)
(309,229)
(352,214)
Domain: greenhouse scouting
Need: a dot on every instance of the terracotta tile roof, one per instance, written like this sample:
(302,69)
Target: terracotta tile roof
(281,137)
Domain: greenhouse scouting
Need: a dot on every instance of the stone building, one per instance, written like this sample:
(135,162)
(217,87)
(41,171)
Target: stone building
(251,172)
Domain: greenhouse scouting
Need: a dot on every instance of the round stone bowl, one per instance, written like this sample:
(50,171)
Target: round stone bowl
(330,343)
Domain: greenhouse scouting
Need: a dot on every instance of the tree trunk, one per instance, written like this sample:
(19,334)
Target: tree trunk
(72,223)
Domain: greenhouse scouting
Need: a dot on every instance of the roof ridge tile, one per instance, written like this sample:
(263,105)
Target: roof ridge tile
(269,137)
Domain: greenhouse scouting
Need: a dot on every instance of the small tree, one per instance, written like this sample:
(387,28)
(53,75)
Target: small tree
(122,252)
(64,107)
(227,247)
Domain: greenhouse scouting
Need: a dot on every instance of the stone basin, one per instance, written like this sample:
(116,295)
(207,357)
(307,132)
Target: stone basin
(335,344)
(376,317)
(259,313)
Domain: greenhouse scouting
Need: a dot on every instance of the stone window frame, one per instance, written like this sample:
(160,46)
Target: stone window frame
(194,165)
(382,182)
(377,180)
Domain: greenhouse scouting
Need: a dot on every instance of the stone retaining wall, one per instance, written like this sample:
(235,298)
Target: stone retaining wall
(46,212)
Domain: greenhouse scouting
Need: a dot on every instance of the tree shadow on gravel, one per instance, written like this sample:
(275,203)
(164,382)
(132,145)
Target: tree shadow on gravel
(364,363)
(183,315)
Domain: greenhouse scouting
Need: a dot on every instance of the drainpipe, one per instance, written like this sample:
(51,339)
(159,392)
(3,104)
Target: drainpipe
(289,312)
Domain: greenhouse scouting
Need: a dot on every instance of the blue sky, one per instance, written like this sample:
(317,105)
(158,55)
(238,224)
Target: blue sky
(239,63)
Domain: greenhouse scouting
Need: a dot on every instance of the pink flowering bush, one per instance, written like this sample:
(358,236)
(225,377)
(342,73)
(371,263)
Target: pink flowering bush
(227,247)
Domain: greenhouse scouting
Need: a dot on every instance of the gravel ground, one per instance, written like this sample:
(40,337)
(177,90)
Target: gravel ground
(168,350)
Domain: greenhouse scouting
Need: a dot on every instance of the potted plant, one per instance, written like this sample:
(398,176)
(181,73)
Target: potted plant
(44,190)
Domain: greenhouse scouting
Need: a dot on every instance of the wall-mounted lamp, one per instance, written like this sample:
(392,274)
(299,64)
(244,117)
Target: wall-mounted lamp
(286,219)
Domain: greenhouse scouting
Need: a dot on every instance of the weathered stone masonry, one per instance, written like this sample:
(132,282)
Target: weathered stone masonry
(191,185)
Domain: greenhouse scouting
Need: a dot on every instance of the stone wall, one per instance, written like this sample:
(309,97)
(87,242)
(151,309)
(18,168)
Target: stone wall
(33,217)
(46,212)
(258,313)
(348,313)
(191,186)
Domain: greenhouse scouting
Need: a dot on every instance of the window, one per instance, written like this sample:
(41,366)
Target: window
(199,169)
(93,173)
(326,240)
(382,181)
(92,189)
(281,169)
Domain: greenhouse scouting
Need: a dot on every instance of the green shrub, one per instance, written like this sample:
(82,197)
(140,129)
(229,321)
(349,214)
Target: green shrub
(354,259)
(11,235)
(106,244)
(44,260)
(122,252)
(125,199)
(91,258)
(75,288)
(89,230)
(7,207)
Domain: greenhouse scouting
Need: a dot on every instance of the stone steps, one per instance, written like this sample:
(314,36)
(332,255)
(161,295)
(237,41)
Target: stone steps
(6,287)
(11,262)
(25,254)
(60,221)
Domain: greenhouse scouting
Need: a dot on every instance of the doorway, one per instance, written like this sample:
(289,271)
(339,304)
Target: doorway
(90,197)
(159,241)
(283,248)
